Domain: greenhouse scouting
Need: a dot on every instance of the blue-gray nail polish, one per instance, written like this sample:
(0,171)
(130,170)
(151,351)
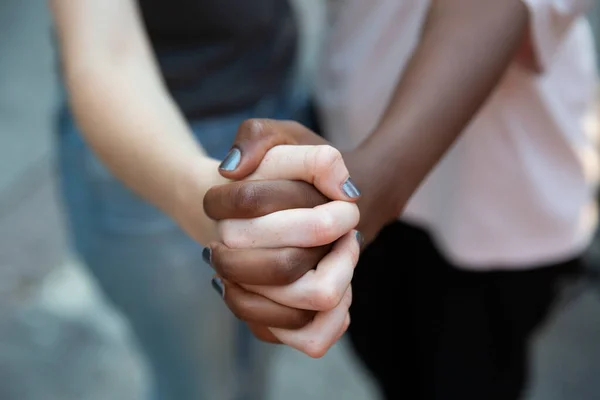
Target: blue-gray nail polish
(217,284)
(231,160)
(207,255)
(360,239)
(350,189)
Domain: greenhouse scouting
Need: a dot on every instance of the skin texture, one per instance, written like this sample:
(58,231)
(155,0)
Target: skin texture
(129,120)
(307,278)
(465,48)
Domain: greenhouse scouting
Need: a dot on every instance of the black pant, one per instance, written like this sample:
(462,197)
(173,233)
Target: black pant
(427,330)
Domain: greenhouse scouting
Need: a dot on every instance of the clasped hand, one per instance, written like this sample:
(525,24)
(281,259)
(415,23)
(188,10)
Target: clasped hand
(287,248)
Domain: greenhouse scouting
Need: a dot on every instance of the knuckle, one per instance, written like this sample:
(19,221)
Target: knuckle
(326,157)
(291,264)
(326,297)
(315,348)
(247,197)
(232,235)
(251,128)
(324,228)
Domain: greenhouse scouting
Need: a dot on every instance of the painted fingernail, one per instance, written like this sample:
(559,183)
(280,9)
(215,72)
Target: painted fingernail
(360,239)
(231,160)
(207,255)
(217,284)
(350,189)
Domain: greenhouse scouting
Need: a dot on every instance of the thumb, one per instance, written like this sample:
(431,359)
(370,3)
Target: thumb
(270,149)
(255,137)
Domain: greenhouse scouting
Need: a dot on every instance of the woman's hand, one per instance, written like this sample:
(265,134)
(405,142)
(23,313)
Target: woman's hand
(276,266)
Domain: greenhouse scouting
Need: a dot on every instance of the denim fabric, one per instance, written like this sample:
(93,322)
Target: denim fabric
(154,274)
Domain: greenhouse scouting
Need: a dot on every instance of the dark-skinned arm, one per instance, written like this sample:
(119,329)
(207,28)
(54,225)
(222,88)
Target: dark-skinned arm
(466,47)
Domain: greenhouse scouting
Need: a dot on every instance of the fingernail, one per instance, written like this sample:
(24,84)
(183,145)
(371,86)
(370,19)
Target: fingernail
(350,189)
(231,160)
(217,284)
(360,239)
(207,255)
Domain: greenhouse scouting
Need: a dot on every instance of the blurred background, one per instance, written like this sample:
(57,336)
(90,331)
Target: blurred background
(60,339)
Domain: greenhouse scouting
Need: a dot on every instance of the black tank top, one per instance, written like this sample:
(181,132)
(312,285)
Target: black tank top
(219,56)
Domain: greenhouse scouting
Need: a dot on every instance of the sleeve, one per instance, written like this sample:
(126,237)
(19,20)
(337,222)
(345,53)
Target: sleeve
(550,21)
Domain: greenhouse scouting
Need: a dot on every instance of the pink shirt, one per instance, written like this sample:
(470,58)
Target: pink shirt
(518,187)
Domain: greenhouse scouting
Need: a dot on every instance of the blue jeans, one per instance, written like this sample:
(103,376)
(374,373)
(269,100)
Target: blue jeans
(154,274)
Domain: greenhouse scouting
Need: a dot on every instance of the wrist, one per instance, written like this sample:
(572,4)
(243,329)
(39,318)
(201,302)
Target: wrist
(377,170)
(186,202)
(378,204)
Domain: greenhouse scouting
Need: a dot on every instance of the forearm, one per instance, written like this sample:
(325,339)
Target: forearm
(136,131)
(464,51)
(125,113)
